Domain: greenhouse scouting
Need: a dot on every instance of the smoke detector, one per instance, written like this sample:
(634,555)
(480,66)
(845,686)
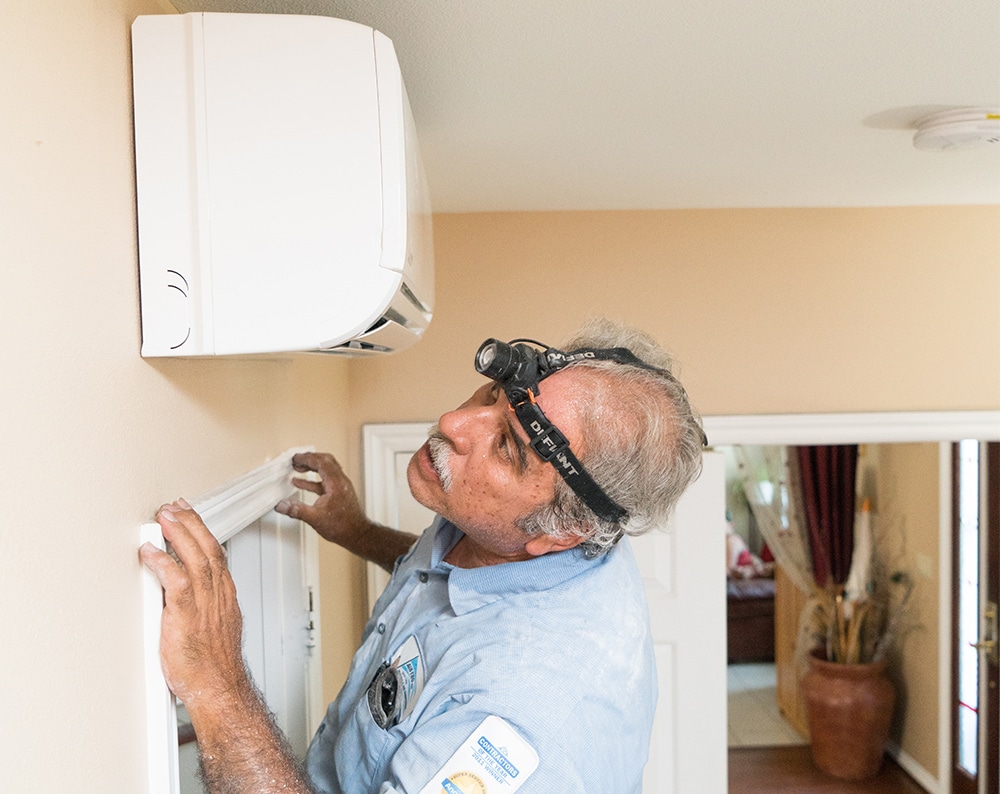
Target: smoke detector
(964,128)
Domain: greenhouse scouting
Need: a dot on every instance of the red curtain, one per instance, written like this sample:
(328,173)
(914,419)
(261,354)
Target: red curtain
(828,480)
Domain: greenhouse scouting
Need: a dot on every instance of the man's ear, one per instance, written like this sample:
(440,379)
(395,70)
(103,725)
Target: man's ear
(546,544)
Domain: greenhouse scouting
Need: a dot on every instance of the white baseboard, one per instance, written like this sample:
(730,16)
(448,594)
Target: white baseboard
(906,761)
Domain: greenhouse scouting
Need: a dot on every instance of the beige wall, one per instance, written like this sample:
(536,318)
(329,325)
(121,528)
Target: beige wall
(903,481)
(768,311)
(94,438)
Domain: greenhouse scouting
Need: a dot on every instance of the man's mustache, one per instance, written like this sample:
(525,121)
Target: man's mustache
(440,451)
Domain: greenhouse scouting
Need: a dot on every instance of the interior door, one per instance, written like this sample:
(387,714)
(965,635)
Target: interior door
(684,575)
(975,641)
(268,561)
(228,511)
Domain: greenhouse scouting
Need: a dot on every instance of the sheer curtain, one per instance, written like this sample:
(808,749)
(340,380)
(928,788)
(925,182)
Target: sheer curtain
(771,482)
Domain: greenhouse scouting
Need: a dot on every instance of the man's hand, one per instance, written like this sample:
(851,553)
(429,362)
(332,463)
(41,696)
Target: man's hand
(337,514)
(202,630)
(241,749)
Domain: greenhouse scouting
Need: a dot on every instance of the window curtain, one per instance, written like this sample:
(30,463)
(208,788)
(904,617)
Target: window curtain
(828,475)
(771,483)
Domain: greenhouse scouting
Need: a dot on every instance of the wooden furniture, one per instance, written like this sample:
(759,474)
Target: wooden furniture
(788,604)
(750,620)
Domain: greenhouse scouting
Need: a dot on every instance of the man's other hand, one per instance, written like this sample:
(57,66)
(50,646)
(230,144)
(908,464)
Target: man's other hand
(336,514)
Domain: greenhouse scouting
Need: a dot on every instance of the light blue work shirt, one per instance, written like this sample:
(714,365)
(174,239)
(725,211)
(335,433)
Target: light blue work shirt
(558,646)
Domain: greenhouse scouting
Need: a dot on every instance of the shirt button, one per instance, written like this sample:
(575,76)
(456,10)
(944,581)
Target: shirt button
(424,577)
(381,628)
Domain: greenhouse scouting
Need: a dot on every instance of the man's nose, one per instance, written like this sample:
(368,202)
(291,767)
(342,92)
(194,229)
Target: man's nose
(465,427)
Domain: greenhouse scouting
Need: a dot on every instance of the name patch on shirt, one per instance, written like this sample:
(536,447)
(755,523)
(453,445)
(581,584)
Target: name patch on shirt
(492,760)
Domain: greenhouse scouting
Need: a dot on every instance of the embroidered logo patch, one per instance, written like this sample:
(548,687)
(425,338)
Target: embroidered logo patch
(397,685)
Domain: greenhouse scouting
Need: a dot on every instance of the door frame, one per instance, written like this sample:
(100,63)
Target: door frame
(989,591)
(943,427)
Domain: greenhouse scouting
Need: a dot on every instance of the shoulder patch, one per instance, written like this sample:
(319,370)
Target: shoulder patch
(495,759)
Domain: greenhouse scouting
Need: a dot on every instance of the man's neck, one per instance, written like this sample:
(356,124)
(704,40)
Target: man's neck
(469,554)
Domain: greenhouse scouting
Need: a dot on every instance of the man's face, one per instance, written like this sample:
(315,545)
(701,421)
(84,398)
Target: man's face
(479,472)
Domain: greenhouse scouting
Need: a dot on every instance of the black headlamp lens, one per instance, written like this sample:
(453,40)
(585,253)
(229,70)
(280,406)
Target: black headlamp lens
(485,357)
(496,360)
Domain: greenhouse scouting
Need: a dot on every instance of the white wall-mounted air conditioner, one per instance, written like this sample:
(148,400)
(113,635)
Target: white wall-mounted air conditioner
(281,199)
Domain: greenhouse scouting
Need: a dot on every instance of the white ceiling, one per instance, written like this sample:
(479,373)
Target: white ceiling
(660,104)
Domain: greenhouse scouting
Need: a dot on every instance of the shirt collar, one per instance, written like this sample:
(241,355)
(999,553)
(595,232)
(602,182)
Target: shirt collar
(471,588)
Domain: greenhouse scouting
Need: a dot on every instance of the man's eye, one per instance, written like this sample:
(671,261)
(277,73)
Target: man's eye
(504,446)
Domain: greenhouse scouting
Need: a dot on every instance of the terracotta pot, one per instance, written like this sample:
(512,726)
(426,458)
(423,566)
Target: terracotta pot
(849,708)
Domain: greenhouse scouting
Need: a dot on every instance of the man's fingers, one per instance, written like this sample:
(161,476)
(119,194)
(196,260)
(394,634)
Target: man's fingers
(323,463)
(159,562)
(171,576)
(308,485)
(209,544)
(192,542)
(310,461)
(299,510)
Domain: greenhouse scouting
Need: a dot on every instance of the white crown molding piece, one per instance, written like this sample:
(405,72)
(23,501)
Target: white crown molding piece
(229,508)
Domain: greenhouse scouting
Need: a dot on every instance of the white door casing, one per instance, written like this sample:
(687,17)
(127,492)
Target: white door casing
(387,450)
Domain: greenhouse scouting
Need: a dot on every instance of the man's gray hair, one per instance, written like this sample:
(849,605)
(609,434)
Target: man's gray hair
(643,441)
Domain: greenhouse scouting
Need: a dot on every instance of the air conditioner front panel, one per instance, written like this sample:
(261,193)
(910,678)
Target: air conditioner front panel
(294,172)
(275,202)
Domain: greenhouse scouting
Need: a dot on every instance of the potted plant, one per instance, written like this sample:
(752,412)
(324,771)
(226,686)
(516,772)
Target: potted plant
(849,630)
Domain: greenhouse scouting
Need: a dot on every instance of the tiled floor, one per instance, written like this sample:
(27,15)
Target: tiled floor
(754,719)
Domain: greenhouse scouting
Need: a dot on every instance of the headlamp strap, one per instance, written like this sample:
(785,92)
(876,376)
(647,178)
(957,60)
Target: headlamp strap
(553,447)
(554,360)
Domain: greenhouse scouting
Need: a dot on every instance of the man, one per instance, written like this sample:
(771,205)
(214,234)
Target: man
(511,648)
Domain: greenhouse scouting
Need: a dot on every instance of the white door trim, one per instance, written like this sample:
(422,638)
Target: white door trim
(852,428)
(382,443)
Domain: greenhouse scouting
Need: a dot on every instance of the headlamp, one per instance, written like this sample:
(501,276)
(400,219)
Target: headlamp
(519,368)
(499,361)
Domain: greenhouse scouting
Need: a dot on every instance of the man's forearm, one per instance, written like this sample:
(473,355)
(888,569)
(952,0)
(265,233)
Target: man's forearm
(242,751)
(380,544)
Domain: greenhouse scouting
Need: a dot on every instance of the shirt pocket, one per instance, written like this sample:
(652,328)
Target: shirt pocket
(356,758)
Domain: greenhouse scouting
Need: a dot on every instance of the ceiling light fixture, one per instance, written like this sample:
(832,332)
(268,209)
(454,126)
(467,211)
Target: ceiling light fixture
(962,128)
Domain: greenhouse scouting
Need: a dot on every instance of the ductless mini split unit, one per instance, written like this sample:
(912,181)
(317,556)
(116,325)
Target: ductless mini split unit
(281,199)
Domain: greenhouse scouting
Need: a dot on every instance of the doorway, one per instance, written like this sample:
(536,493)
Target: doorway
(942,429)
(975,708)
